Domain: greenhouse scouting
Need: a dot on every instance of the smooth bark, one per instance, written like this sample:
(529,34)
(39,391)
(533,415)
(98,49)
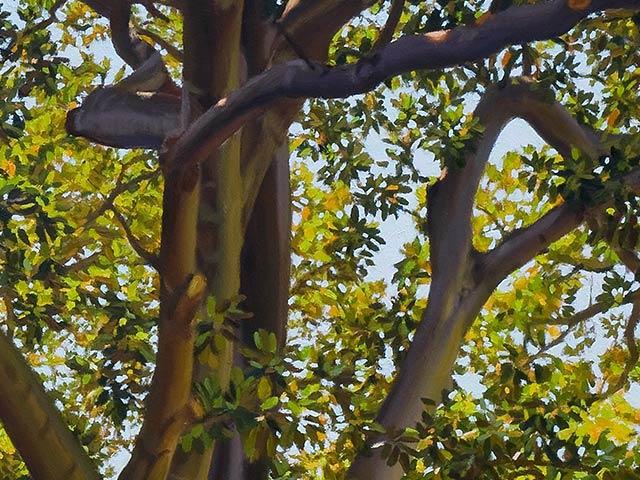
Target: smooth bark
(462,278)
(35,425)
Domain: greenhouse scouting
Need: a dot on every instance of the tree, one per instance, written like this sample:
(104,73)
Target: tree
(148,285)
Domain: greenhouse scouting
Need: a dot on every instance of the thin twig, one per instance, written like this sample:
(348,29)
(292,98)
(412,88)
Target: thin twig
(583,315)
(627,257)
(153,10)
(632,361)
(149,257)
(171,49)
(386,35)
(48,21)
(119,188)
(501,228)
(82,263)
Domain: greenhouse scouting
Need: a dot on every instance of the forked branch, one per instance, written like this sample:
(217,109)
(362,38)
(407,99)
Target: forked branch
(301,78)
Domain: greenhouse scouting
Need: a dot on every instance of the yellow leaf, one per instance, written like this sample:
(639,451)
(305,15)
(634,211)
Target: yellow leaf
(9,167)
(542,300)
(264,388)
(613,116)
(553,331)
(520,283)
(424,443)
(331,203)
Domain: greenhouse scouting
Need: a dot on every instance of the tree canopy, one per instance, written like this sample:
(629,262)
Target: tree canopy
(194,195)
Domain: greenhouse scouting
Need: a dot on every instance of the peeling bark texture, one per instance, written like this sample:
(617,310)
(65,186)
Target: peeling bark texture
(34,424)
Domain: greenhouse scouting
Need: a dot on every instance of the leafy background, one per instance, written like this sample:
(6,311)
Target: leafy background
(542,392)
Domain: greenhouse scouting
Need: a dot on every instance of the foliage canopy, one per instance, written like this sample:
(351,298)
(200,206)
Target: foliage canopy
(245,274)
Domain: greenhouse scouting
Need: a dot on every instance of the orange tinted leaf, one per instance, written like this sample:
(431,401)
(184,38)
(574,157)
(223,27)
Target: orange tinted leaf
(505,58)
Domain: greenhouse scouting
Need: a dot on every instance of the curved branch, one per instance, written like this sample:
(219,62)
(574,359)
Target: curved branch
(431,51)
(524,244)
(463,279)
(34,425)
(127,45)
(454,299)
(123,40)
(563,132)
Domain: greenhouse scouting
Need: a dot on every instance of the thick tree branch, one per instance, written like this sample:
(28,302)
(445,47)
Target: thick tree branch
(213,67)
(463,279)
(123,119)
(431,51)
(127,44)
(182,290)
(522,245)
(562,131)
(454,299)
(128,47)
(34,425)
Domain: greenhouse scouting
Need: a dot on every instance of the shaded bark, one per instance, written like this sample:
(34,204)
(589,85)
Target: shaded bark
(267,252)
(122,119)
